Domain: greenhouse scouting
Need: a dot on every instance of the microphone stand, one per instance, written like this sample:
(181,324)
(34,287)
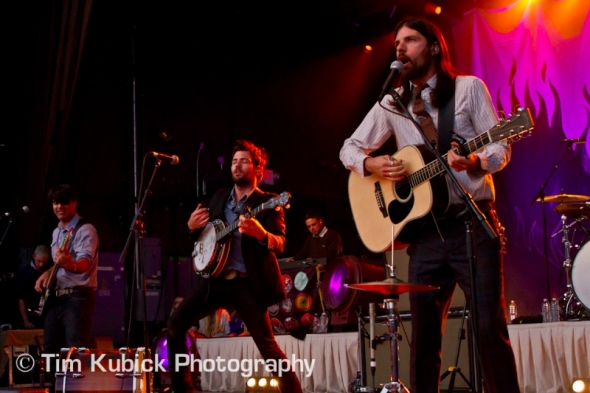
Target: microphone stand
(540,196)
(472,208)
(136,232)
(5,231)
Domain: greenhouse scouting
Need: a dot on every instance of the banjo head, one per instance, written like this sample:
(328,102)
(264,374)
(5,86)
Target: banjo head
(205,250)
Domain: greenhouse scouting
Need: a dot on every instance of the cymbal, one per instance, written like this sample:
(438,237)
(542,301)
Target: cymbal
(573,210)
(391,286)
(565,198)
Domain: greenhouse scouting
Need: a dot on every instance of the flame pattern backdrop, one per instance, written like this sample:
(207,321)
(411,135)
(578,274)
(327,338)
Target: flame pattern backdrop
(535,54)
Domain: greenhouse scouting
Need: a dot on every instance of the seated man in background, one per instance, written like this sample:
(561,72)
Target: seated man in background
(215,324)
(28,298)
(321,242)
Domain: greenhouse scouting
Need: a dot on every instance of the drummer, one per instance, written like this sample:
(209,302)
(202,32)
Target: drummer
(321,242)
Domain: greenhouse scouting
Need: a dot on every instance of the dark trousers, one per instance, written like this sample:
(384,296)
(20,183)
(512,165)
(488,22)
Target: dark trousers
(208,296)
(443,264)
(68,320)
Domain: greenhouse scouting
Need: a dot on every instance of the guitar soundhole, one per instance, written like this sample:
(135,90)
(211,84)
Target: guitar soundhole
(400,207)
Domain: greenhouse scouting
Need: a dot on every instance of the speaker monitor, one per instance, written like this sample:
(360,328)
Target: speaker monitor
(101,371)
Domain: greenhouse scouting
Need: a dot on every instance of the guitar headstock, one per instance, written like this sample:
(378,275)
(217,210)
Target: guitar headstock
(517,126)
(66,240)
(282,200)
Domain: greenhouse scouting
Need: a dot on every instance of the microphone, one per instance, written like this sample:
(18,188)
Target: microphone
(576,141)
(173,159)
(396,67)
(24,209)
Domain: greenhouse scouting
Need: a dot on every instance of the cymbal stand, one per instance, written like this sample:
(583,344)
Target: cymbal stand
(568,302)
(395,386)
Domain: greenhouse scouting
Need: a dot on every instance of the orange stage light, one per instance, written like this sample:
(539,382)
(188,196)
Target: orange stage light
(431,8)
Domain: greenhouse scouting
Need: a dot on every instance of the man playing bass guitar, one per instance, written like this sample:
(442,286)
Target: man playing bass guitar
(70,307)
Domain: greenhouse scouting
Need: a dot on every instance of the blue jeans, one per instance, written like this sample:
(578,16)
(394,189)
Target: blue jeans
(68,320)
(208,296)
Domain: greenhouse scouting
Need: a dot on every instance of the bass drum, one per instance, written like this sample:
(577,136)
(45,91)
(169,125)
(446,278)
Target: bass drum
(580,274)
(350,270)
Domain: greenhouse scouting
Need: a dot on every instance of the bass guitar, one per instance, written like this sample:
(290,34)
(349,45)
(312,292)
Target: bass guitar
(52,273)
(382,208)
(212,247)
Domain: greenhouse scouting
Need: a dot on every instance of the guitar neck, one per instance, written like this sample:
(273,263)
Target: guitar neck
(232,227)
(435,168)
(51,278)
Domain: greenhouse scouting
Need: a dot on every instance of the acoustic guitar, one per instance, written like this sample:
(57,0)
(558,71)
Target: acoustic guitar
(382,208)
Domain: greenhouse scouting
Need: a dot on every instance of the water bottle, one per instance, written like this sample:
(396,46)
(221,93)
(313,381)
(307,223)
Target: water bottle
(323,323)
(512,310)
(546,311)
(554,309)
(316,323)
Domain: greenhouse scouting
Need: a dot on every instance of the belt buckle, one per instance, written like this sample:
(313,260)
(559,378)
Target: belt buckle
(230,274)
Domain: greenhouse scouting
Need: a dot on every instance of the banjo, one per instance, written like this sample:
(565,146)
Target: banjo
(212,247)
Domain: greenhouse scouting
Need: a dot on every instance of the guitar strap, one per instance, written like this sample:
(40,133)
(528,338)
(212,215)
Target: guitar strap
(446,119)
(78,226)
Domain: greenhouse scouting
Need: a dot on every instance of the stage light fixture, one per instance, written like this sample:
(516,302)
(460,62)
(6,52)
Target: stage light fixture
(262,384)
(581,385)
(368,48)
(431,8)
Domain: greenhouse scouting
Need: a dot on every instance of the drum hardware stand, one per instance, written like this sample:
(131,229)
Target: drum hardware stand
(395,386)
(360,383)
(454,370)
(540,197)
(569,304)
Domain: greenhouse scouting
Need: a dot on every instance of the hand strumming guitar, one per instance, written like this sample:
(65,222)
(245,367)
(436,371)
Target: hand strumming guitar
(386,167)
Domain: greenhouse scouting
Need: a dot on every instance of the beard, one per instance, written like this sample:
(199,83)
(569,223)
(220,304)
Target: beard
(240,180)
(414,71)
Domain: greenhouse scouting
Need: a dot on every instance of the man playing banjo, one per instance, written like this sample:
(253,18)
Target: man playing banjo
(249,280)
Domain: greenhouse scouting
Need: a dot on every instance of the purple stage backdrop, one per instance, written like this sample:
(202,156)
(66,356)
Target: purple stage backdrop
(535,54)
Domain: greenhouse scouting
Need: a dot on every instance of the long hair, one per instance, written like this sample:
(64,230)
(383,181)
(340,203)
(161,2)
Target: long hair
(212,325)
(259,155)
(445,71)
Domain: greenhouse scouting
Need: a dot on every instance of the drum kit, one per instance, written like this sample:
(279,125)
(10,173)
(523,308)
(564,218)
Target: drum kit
(576,300)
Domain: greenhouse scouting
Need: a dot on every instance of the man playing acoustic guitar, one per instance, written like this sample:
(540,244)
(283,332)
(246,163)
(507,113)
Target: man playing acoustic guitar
(438,256)
(249,278)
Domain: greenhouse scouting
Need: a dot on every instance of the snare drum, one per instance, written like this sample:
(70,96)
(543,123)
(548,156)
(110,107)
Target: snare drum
(581,275)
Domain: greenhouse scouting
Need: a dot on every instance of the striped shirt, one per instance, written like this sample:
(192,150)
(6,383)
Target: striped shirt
(474,115)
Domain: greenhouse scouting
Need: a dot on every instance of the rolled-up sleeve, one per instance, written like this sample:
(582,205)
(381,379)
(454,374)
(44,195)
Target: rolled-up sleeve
(370,135)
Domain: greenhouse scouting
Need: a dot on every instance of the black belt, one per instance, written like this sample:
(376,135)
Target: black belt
(69,291)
